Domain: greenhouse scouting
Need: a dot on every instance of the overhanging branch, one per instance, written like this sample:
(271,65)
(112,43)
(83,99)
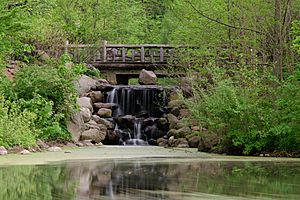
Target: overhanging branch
(223,23)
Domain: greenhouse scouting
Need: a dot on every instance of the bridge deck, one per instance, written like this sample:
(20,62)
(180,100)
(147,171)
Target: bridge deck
(123,59)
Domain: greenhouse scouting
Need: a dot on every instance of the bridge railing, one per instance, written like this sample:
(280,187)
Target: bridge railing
(121,53)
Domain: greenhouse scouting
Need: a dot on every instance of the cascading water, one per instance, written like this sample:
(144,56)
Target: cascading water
(135,104)
(137,100)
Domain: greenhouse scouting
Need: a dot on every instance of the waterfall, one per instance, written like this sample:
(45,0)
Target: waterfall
(133,106)
(137,100)
(137,129)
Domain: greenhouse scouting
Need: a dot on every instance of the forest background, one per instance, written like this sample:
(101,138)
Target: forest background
(248,57)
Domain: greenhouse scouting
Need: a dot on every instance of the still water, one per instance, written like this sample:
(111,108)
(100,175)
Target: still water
(151,179)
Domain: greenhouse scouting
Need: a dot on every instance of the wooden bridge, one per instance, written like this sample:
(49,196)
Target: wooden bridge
(122,61)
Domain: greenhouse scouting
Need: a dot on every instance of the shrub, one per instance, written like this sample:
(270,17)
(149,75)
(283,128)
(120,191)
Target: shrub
(51,83)
(16,125)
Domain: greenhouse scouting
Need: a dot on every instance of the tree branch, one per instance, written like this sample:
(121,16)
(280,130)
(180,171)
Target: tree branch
(222,23)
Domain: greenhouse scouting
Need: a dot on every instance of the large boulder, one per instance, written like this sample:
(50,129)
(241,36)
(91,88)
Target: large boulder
(162,142)
(105,105)
(75,126)
(147,77)
(95,135)
(181,143)
(208,141)
(172,119)
(86,114)
(182,132)
(96,96)
(104,112)
(194,141)
(105,122)
(85,102)
(186,87)
(84,84)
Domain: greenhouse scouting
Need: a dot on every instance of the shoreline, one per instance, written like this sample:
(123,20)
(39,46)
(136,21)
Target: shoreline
(127,153)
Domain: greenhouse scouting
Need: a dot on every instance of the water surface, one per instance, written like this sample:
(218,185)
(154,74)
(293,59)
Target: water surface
(159,178)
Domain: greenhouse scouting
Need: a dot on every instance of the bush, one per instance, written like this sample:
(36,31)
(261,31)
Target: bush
(53,84)
(16,125)
(250,110)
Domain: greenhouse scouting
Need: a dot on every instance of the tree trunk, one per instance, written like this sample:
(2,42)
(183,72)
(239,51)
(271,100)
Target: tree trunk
(278,51)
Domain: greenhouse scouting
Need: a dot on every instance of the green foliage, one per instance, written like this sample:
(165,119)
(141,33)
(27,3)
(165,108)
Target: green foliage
(51,83)
(245,108)
(16,125)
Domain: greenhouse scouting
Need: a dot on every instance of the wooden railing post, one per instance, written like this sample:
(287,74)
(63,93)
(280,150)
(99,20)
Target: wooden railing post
(123,54)
(104,50)
(161,54)
(66,46)
(142,54)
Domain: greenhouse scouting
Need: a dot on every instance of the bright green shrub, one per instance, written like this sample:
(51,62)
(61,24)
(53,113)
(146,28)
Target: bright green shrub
(16,125)
(250,109)
(51,83)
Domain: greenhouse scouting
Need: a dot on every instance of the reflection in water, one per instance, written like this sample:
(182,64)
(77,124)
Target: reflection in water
(152,180)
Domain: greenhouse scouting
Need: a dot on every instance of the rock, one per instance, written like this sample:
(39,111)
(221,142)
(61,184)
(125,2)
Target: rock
(208,141)
(195,128)
(171,132)
(103,85)
(54,149)
(99,144)
(79,144)
(162,142)
(42,144)
(112,138)
(84,84)
(94,125)
(96,96)
(152,142)
(70,144)
(86,114)
(105,122)
(125,121)
(85,102)
(147,77)
(95,135)
(182,132)
(172,119)
(88,143)
(75,126)
(176,103)
(104,112)
(174,95)
(105,105)
(194,141)
(163,124)
(25,152)
(175,111)
(186,87)
(3,151)
(148,122)
(184,113)
(42,55)
(181,143)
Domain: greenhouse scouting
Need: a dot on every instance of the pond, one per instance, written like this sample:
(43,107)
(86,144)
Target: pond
(152,178)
